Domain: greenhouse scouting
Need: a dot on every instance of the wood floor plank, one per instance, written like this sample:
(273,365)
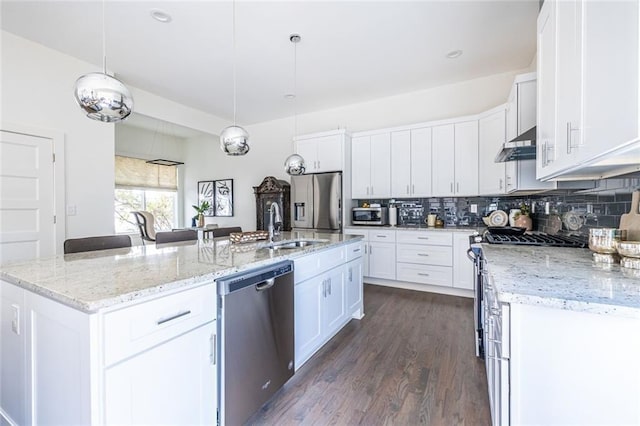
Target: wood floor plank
(409,361)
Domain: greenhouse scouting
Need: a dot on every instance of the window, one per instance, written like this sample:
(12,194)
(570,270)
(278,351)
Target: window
(143,186)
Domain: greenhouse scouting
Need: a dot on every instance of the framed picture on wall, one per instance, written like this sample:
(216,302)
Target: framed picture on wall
(223,194)
(205,193)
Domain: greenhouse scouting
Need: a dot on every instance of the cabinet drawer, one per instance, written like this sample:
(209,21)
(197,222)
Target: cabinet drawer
(357,231)
(425,274)
(382,236)
(133,329)
(438,238)
(426,255)
(318,262)
(354,250)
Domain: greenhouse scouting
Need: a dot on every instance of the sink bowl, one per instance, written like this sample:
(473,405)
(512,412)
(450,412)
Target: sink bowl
(291,244)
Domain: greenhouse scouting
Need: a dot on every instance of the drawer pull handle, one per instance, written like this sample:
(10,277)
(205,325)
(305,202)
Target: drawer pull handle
(181,314)
(356,250)
(423,238)
(422,274)
(381,236)
(423,254)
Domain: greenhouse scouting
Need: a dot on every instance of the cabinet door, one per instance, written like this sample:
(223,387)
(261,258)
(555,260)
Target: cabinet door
(360,167)
(546,75)
(421,162)
(491,138)
(610,75)
(380,165)
(308,318)
(466,158)
(307,149)
(329,153)
(443,175)
(173,383)
(353,278)
(401,164)
(382,260)
(462,266)
(335,301)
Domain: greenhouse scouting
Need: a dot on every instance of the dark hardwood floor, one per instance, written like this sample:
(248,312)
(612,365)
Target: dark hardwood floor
(409,361)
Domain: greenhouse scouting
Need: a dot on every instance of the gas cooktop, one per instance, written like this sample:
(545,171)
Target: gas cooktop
(538,239)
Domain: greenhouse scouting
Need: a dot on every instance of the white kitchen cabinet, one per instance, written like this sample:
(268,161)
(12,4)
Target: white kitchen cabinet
(410,163)
(455,159)
(462,266)
(424,257)
(322,153)
(491,130)
(521,116)
(589,125)
(174,383)
(371,166)
(354,286)
(321,292)
(382,254)
(66,352)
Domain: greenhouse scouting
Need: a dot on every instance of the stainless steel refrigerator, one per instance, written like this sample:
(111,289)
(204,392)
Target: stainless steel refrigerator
(316,201)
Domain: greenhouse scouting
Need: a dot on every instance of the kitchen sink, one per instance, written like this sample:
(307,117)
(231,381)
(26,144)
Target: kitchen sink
(284,245)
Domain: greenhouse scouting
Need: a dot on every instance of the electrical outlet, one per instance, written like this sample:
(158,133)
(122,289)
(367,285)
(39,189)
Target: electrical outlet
(15,320)
(473,208)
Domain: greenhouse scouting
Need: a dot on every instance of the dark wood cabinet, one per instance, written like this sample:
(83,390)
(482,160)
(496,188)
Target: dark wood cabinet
(273,190)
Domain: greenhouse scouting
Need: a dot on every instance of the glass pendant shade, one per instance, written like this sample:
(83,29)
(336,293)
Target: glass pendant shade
(103,97)
(234,140)
(294,165)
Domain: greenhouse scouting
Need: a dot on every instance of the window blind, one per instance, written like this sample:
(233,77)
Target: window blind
(137,173)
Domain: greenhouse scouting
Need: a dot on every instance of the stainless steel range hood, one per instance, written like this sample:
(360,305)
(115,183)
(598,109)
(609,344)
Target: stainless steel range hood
(522,147)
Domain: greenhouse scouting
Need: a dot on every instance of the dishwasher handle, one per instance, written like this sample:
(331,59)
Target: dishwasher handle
(266,284)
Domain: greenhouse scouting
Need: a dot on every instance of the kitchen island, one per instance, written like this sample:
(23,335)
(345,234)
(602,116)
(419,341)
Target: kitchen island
(562,337)
(129,335)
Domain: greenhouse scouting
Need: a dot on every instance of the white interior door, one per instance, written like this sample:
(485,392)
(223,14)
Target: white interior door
(27,229)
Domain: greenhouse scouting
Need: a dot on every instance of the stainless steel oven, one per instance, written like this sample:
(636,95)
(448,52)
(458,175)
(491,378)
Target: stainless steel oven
(475,254)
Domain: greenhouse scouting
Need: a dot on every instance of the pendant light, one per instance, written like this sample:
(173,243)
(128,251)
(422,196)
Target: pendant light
(294,164)
(101,96)
(234,140)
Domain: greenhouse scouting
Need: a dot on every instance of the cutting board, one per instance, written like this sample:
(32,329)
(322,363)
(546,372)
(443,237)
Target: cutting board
(631,221)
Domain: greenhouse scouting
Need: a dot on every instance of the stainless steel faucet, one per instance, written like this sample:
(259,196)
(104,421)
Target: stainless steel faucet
(275,221)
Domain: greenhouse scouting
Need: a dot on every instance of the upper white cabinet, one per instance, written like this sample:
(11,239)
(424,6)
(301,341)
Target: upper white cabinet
(410,163)
(521,116)
(588,101)
(371,168)
(455,159)
(323,152)
(491,129)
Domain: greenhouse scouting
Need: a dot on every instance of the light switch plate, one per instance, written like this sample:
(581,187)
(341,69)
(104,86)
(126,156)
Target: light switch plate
(473,208)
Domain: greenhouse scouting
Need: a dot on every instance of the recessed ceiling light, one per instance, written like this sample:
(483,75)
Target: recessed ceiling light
(160,16)
(454,54)
(289,96)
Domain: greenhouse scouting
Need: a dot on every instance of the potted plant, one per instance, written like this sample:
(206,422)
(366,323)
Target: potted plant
(523,219)
(203,207)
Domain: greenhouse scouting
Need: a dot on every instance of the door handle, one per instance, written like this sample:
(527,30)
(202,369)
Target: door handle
(267,284)
(407,189)
(329,286)
(212,351)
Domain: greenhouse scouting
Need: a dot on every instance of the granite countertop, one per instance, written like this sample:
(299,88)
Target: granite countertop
(95,280)
(565,278)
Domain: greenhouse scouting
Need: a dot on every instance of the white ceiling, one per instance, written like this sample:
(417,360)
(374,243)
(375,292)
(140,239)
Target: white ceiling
(351,51)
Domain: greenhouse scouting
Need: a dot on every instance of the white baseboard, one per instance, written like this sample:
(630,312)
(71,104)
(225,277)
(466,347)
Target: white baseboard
(452,291)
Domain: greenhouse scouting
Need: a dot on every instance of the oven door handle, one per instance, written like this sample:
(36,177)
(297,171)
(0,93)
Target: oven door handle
(471,255)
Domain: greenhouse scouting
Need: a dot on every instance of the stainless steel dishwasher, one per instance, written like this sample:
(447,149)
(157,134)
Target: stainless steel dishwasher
(256,339)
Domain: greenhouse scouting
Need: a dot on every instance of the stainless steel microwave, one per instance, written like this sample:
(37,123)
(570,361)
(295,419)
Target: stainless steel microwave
(376,216)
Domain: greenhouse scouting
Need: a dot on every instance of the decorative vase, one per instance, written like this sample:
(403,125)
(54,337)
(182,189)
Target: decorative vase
(523,221)
(200,220)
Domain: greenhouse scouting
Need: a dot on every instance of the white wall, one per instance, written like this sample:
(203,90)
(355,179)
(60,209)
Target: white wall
(37,93)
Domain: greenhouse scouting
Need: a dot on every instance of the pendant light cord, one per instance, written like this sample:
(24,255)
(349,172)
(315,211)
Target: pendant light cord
(233,37)
(295,91)
(104,39)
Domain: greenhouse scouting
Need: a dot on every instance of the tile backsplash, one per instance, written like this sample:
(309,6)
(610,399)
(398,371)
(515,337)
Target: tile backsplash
(601,207)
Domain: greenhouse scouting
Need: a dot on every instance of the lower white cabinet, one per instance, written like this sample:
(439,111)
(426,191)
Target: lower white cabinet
(462,265)
(168,384)
(326,297)
(67,377)
(382,260)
